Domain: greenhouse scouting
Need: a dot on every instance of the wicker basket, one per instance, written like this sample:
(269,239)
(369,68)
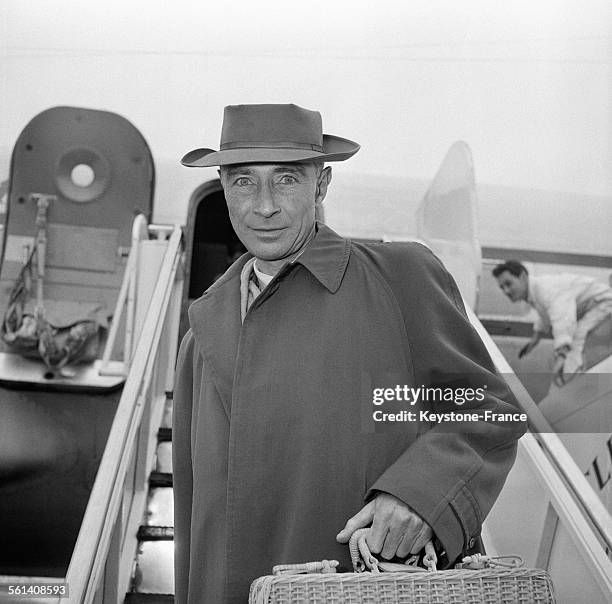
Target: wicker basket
(494,586)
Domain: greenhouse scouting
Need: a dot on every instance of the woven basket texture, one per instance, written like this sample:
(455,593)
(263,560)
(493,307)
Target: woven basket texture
(490,586)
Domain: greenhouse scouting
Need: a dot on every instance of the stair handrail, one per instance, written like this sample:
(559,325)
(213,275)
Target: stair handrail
(126,299)
(550,442)
(87,564)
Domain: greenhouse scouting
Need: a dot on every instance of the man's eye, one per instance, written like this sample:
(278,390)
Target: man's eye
(242,181)
(287,179)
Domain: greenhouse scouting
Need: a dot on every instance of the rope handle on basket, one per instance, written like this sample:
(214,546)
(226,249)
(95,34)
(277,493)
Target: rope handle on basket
(324,566)
(480,561)
(363,560)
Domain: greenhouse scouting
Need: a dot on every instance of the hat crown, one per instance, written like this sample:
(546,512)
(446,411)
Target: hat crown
(272,126)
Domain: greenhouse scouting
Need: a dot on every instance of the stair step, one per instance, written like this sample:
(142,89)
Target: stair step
(163,462)
(156,533)
(160,479)
(154,568)
(153,580)
(164,435)
(136,598)
(166,421)
(160,507)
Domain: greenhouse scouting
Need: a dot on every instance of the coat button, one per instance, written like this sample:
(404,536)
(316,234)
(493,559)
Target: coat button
(471,543)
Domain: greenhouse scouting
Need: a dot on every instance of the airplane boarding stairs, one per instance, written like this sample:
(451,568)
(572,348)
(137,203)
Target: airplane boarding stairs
(99,565)
(153,572)
(547,512)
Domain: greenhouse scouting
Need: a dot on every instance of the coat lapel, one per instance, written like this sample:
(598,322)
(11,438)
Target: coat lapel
(215,321)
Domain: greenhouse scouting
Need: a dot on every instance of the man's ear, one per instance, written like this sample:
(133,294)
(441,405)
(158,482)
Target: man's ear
(322,184)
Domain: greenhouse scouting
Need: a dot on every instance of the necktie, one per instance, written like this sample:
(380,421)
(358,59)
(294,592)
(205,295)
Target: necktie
(249,288)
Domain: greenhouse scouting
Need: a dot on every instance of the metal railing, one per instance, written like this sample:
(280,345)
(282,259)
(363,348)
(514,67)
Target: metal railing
(102,560)
(574,501)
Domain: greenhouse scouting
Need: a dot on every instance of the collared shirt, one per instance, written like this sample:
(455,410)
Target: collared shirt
(263,278)
(249,287)
(561,300)
(253,281)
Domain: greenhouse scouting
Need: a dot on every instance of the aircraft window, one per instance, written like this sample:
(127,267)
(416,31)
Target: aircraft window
(82,175)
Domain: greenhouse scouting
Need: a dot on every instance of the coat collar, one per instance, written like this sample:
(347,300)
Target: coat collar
(215,317)
(326,257)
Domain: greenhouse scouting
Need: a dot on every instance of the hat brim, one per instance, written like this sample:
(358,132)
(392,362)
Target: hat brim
(334,149)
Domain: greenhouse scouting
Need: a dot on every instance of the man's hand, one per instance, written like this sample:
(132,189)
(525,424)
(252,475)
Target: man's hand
(560,355)
(559,366)
(558,378)
(396,529)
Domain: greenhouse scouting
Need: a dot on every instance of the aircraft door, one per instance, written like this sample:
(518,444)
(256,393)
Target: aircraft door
(78,178)
(211,244)
(98,166)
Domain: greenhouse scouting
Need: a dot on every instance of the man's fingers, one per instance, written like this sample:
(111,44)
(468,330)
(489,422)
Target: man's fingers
(405,547)
(360,520)
(424,535)
(392,542)
(559,380)
(376,535)
(395,530)
(414,538)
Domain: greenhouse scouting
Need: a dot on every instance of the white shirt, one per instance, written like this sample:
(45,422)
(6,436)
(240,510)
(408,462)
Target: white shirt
(263,278)
(560,300)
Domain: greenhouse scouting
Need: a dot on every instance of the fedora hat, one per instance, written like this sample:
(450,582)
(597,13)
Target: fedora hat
(271,133)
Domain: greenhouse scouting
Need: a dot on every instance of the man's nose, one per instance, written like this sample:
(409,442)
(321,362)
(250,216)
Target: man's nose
(265,205)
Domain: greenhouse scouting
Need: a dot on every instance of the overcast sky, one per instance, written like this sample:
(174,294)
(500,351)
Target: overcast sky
(526,83)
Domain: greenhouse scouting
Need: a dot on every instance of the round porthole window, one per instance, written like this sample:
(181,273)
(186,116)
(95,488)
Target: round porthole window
(82,175)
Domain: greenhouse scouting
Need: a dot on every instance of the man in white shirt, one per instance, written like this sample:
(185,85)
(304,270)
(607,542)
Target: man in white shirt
(569,305)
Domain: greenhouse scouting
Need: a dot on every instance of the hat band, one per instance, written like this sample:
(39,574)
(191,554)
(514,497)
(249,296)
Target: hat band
(271,145)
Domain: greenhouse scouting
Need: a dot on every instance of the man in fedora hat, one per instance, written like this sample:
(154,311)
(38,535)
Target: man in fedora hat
(291,424)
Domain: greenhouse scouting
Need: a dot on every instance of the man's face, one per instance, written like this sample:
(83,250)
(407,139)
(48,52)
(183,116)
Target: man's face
(272,206)
(514,287)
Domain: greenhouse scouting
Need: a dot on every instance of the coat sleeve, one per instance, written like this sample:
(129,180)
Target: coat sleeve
(181,464)
(452,473)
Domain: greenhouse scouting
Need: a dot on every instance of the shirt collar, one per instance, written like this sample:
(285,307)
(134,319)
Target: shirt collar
(326,257)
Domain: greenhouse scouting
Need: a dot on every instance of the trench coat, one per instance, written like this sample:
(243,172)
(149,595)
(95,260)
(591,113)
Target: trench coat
(274,443)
